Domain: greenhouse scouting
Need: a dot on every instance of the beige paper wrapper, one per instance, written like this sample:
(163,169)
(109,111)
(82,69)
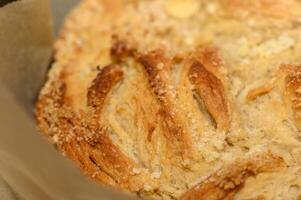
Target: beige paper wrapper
(27,161)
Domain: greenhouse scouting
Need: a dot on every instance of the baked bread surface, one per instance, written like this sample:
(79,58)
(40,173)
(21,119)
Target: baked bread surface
(180,99)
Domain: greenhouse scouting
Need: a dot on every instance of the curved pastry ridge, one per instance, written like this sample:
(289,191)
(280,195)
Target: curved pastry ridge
(211,91)
(225,182)
(106,78)
(157,69)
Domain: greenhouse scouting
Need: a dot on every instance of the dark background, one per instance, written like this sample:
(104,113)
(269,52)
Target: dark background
(4,2)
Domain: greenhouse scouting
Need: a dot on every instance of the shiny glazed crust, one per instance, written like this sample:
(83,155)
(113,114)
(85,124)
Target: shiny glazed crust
(180,99)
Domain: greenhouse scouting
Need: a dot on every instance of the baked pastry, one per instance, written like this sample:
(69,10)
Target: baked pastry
(180,99)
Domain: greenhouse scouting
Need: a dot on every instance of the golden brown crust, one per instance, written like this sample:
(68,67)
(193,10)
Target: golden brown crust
(293,86)
(254,93)
(102,151)
(94,152)
(211,91)
(149,96)
(122,49)
(222,184)
(106,78)
(157,68)
(211,59)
